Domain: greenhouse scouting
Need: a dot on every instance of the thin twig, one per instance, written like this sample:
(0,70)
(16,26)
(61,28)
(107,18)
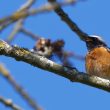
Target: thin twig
(21,54)
(15,30)
(5,73)
(27,32)
(9,103)
(76,56)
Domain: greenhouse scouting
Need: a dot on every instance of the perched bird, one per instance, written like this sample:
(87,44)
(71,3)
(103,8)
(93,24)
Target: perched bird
(46,48)
(98,57)
(43,47)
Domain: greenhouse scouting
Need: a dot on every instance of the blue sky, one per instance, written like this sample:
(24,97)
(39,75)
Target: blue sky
(53,92)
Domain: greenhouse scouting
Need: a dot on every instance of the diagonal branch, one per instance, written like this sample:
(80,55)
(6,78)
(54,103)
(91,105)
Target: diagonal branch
(73,26)
(9,103)
(20,22)
(4,22)
(5,73)
(29,33)
(21,54)
(27,5)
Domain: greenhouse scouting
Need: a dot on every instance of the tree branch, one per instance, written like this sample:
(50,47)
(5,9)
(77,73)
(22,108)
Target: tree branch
(9,103)
(21,54)
(4,22)
(20,22)
(5,73)
(73,26)
(29,33)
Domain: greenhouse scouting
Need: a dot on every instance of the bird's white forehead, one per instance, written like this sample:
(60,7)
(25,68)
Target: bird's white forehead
(100,38)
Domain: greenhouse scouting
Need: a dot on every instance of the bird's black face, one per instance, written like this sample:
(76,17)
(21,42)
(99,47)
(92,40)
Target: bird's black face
(93,42)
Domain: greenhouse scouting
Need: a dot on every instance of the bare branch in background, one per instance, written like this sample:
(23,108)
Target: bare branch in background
(4,22)
(30,34)
(73,26)
(20,22)
(9,103)
(27,5)
(75,56)
(5,73)
(21,54)
(15,31)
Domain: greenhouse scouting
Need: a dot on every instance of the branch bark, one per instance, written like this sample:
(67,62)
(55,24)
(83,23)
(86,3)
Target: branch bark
(21,54)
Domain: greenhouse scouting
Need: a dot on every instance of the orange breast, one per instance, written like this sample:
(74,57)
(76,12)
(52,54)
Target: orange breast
(98,62)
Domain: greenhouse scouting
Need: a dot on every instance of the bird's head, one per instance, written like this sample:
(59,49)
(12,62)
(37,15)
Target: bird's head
(94,41)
